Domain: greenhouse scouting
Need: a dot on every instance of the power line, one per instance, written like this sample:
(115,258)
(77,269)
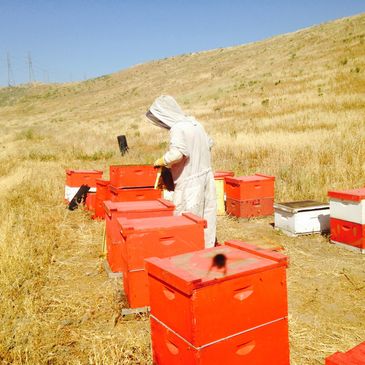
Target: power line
(10,71)
(30,68)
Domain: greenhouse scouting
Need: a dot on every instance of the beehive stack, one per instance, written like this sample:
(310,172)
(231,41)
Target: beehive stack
(102,194)
(149,237)
(347,218)
(219,178)
(250,196)
(355,356)
(207,315)
(133,182)
(76,178)
(130,210)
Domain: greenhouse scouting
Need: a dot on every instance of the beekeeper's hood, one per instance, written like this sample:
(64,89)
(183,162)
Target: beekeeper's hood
(165,112)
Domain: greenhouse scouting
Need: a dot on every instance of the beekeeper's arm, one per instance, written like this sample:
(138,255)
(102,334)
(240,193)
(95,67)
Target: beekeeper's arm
(177,150)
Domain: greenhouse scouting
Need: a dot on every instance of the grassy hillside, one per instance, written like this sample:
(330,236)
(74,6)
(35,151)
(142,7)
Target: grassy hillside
(292,106)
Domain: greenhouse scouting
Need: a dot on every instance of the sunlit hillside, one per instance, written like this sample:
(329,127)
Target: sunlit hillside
(291,106)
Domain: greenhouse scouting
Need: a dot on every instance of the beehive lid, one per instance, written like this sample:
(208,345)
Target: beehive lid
(301,206)
(251,178)
(220,175)
(352,195)
(355,356)
(133,165)
(102,182)
(194,270)
(129,226)
(71,171)
(136,206)
(128,188)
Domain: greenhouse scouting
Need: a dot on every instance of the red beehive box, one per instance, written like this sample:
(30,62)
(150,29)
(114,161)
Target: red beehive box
(350,195)
(355,356)
(131,210)
(102,194)
(250,208)
(76,178)
(221,175)
(250,187)
(348,233)
(133,175)
(160,237)
(208,304)
(90,201)
(265,345)
(134,194)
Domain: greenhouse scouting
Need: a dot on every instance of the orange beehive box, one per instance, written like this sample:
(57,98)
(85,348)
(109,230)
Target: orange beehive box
(132,175)
(208,304)
(221,175)
(348,233)
(355,356)
(160,237)
(131,210)
(264,345)
(133,194)
(250,187)
(90,201)
(102,194)
(250,208)
(355,195)
(76,178)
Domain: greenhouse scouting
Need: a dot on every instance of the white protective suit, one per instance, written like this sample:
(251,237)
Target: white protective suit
(189,160)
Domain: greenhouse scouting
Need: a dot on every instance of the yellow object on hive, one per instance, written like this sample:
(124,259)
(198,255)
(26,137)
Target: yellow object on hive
(219,187)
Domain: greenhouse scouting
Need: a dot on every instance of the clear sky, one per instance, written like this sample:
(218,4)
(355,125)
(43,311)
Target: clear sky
(70,40)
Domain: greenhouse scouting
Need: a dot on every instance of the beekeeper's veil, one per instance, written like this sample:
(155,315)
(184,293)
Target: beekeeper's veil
(165,112)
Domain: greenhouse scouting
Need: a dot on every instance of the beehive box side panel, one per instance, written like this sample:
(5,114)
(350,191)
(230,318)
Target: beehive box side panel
(312,221)
(284,220)
(232,306)
(352,211)
(163,243)
(169,349)
(138,290)
(348,233)
(171,306)
(265,345)
(268,344)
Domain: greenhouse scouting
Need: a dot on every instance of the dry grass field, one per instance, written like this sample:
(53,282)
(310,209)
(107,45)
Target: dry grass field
(292,106)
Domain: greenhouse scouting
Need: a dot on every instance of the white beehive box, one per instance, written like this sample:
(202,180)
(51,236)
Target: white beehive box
(348,205)
(302,217)
(351,211)
(70,192)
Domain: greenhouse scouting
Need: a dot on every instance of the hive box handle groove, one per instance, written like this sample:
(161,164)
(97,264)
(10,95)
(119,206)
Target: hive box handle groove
(245,348)
(169,294)
(167,241)
(172,347)
(243,293)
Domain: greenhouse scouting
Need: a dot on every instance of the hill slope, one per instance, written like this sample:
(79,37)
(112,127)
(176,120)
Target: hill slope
(291,106)
(257,100)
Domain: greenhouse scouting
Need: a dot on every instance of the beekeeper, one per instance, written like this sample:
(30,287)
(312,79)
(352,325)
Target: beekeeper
(189,160)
